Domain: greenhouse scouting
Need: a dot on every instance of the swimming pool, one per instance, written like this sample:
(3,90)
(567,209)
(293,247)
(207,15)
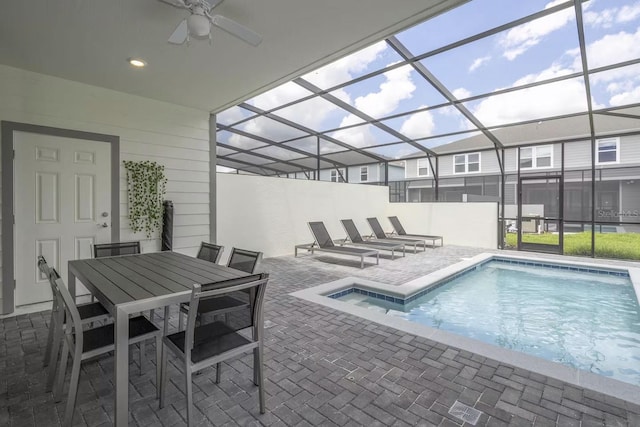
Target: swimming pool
(387,313)
(587,319)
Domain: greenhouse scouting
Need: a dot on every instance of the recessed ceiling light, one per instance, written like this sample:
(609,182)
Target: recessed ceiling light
(137,62)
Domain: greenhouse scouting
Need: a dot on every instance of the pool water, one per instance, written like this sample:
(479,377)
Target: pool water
(584,320)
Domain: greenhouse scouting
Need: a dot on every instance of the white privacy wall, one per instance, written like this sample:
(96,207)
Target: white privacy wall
(271,214)
(174,136)
(464,224)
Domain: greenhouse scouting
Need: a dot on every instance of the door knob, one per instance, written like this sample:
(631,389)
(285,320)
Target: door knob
(103,225)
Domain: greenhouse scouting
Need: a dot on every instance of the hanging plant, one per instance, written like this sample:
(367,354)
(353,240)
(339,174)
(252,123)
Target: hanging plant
(146,188)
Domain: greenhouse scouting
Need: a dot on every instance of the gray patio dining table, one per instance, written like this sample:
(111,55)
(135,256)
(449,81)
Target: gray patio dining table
(130,284)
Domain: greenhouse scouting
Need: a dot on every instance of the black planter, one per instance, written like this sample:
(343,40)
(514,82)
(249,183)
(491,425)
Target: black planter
(167,226)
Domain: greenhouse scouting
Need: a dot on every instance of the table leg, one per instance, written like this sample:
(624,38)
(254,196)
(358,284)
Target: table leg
(72,284)
(121,368)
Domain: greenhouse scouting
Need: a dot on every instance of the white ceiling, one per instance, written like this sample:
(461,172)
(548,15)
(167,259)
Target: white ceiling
(89,41)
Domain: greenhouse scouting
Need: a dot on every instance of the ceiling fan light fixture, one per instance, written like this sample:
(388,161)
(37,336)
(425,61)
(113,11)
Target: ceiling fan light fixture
(199,25)
(137,62)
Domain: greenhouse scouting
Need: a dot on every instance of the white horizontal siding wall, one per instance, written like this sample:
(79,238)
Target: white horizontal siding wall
(577,155)
(174,136)
(630,150)
(411,168)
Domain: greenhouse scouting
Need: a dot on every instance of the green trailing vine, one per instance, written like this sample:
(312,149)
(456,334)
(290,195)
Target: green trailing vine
(146,188)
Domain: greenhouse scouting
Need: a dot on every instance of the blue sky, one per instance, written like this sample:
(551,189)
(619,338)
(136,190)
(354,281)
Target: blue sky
(538,50)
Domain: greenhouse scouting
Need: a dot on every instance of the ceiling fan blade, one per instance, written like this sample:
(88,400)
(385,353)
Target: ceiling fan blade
(180,34)
(238,30)
(177,3)
(213,4)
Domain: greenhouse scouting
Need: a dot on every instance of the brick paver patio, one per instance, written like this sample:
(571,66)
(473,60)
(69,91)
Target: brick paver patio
(323,367)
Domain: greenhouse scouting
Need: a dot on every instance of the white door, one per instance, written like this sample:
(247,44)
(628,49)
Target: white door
(62,205)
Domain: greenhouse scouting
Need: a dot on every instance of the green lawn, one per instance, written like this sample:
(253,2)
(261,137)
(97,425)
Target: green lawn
(608,245)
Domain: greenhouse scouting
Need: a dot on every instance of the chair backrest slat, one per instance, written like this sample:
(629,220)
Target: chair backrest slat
(320,233)
(210,252)
(376,228)
(65,300)
(352,230)
(395,222)
(244,260)
(116,249)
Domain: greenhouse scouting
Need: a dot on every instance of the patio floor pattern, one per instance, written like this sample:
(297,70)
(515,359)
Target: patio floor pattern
(323,367)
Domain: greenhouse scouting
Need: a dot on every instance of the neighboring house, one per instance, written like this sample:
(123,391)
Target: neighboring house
(365,174)
(475,174)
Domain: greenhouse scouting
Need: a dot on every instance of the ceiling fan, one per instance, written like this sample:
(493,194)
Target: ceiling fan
(198,24)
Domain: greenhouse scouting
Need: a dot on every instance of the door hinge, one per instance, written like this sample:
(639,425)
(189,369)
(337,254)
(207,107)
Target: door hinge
(14,154)
(14,283)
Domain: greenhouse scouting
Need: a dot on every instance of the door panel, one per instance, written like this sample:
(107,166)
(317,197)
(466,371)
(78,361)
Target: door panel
(62,187)
(539,222)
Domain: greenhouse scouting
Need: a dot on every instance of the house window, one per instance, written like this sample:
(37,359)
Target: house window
(466,163)
(607,150)
(337,177)
(423,167)
(364,173)
(536,157)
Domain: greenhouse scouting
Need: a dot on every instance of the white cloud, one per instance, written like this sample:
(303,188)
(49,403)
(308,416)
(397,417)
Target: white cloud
(461,93)
(629,13)
(230,115)
(396,87)
(279,95)
(478,62)
(625,98)
(555,70)
(521,38)
(343,69)
(606,18)
(313,112)
(603,18)
(558,98)
(611,49)
(418,125)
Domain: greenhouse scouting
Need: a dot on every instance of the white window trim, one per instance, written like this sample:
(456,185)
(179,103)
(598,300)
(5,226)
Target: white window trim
(418,167)
(534,157)
(337,175)
(367,169)
(617,141)
(466,163)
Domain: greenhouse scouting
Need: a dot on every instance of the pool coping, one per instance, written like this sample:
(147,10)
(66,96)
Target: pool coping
(320,295)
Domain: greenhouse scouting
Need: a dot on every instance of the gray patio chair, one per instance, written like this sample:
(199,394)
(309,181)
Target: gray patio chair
(240,259)
(210,252)
(324,243)
(354,238)
(199,347)
(89,313)
(399,230)
(85,344)
(379,234)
